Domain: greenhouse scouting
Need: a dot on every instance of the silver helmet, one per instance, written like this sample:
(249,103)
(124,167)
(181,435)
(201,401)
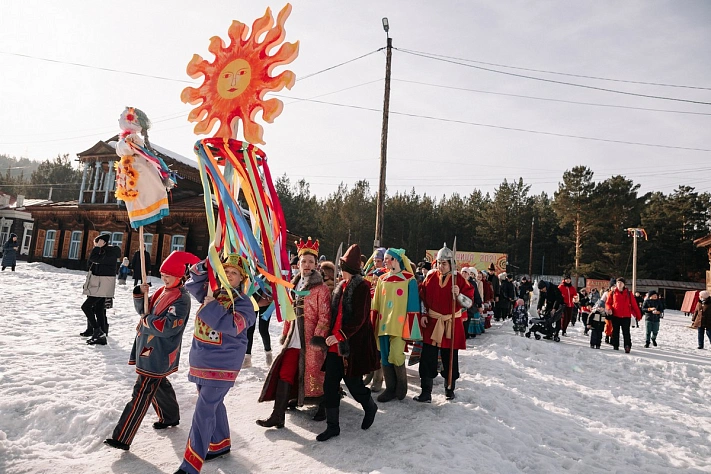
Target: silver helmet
(445,253)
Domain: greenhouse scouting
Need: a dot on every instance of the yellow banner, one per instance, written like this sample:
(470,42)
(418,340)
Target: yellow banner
(478,260)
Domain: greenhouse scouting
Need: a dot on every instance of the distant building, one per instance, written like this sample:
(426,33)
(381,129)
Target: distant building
(16,219)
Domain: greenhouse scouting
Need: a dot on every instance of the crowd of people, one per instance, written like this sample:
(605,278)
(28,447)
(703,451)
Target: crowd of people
(357,320)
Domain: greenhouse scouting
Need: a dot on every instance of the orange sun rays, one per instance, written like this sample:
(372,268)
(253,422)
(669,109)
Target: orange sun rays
(236,82)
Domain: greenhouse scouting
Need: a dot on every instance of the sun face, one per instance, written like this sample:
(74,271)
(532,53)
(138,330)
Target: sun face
(236,82)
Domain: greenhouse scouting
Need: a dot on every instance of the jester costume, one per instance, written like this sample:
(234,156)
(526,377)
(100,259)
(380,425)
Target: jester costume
(394,311)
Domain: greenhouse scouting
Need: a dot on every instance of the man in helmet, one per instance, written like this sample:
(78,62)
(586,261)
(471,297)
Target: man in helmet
(437,292)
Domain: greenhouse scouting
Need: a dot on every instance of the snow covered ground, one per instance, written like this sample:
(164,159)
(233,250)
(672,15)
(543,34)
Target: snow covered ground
(522,405)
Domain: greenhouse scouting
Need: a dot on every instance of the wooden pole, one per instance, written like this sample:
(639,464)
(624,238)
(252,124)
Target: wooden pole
(453,271)
(380,207)
(141,249)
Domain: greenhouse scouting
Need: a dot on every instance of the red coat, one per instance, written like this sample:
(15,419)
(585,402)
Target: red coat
(622,304)
(488,291)
(437,296)
(568,292)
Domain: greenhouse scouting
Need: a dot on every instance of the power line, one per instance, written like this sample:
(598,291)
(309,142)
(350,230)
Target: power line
(499,127)
(99,68)
(550,99)
(584,86)
(563,73)
(337,65)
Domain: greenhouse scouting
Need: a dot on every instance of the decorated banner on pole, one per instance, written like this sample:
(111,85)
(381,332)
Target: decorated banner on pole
(233,90)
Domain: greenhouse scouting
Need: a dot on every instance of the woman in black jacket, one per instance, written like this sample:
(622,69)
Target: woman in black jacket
(100,285)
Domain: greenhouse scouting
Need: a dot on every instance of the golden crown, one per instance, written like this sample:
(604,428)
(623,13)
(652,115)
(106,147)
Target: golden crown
(310,247)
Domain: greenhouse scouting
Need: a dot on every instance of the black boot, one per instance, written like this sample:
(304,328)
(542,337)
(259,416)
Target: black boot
(279,413)
(332,427)
(117,444)
(426,395)
(370,411)
(320,414)
(97,338)
(401,377)
(449,392)
(390,384)
(88,332)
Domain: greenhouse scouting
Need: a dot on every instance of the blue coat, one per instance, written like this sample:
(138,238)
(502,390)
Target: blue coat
(156,349)
(220,337)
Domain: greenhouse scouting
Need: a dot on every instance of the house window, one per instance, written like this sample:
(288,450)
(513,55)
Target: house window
(74,245)
(5,226)
(26,238)
(148,242)
(49,243)
(117,239)
(177,243)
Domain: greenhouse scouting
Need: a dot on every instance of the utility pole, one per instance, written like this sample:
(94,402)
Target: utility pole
(530,250)
(635,232)
(379,213)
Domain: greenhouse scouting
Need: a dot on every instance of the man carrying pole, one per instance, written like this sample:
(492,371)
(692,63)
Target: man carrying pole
(445,296)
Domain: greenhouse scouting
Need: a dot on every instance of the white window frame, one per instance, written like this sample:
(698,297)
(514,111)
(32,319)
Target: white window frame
(117,239)
(74,245)
(5,230)
(48,250)
(174,245)
(26,238)
(148,242)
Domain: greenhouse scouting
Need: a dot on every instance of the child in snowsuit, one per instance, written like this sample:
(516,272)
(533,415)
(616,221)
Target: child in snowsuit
(123,271)
(652,308)
(520,317)
(596,324)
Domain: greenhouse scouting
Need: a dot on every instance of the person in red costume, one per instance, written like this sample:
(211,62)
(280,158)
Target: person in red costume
(436,294)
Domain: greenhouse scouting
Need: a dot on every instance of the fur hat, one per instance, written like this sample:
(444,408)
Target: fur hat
(350,261)
(703,295)
(105,237)
(175,264)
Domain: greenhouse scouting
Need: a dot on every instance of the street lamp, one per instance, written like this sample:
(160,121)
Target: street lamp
(386,25)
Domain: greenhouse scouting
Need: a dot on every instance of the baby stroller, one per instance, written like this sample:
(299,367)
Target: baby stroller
(546,325)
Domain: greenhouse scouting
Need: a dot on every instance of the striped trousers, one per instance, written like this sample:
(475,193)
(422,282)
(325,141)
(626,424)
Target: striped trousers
(148,390)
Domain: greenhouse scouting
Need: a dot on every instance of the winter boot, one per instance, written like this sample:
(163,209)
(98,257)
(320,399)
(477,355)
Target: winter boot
(117,444)
(371,409)
(320,414)
(88,332)
(390,384)
(159,425)
(247,361)
(401,387)
(654,341)
(279,414)
(332,427)
(426,395)
(270,358)
(98,337)
(646,345)
(628,349)
(377,385)
(449,392)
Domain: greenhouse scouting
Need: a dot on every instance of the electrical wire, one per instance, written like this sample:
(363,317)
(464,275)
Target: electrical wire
(584,86)
(552,100)
(563,73)
(499,127)
(338,65)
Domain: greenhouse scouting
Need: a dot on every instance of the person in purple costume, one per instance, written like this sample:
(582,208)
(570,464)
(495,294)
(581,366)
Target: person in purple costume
(216,356)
